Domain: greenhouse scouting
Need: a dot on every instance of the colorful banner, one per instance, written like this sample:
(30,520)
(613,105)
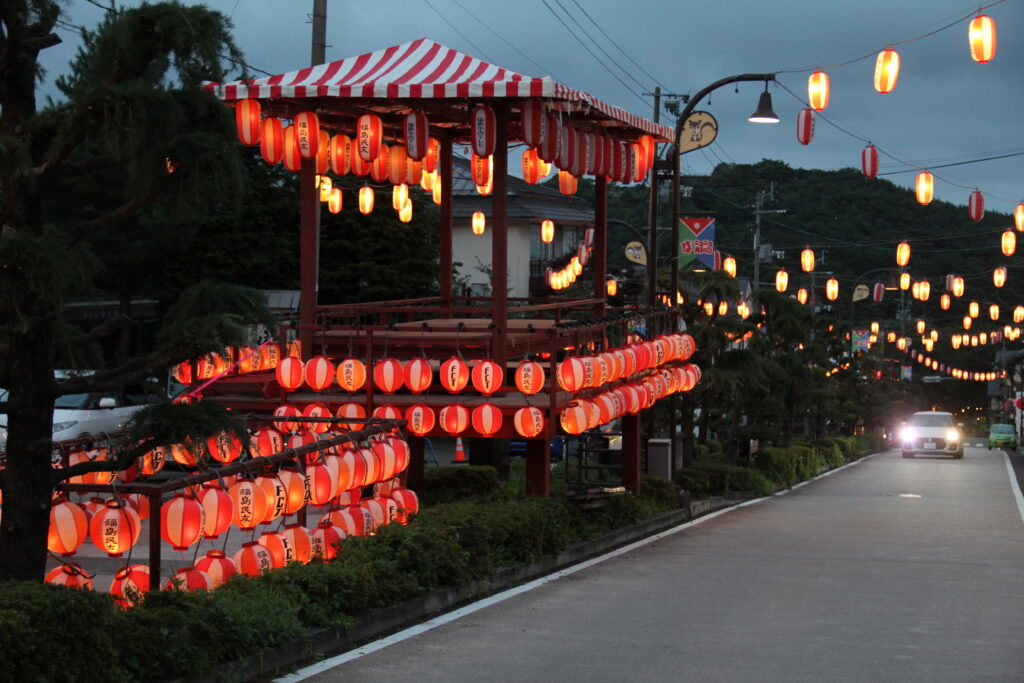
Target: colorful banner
(906,372)
(697,241)
(860,340)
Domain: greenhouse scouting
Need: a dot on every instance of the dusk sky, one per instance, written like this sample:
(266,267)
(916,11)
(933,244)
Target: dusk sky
(945,109)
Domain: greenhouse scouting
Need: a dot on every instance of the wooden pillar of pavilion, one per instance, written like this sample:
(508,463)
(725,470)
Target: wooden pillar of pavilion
(499,240)
(599,257)
(309,253)
(631,452)
(538,468)
(446,237)
(414,475)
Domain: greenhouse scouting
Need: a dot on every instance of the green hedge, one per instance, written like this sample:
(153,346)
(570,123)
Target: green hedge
(54,633)
(719,479)
(449,483)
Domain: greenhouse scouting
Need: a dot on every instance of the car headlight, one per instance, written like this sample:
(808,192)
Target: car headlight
(952,435)
(61,426)
(908,434)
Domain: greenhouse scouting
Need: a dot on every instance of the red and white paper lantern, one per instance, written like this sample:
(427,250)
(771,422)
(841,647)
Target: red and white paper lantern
(483,131)
(976,206)
(805,126)
(417,135)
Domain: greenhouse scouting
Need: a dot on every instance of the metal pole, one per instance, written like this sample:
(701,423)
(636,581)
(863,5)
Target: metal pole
(652,218)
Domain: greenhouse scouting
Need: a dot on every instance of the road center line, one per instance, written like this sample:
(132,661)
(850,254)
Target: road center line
(448,617)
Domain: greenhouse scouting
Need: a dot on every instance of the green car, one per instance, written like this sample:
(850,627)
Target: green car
(1002,436)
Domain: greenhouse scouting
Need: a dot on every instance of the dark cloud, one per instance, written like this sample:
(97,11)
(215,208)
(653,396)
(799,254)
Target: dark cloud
(945,108)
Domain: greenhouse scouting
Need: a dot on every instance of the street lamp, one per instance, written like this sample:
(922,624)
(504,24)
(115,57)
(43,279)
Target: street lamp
(763,114)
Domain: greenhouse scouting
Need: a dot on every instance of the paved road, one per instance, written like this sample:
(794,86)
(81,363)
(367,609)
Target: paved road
(888,570)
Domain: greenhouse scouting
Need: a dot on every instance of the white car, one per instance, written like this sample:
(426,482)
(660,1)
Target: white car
(76,415)
(931,433)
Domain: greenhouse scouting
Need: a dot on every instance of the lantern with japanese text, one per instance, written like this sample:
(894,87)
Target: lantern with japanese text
(69,575)
(924,187)
(266,442)
(550,147)
(531,166)
(408,503)
(129,584)
(247,121)
(571,374)
(323,484)
(487,377)
(190,579)
(388,375)
(249,504)
(340,154)
(805,126)
(981,35)
(307,134)
(114,528)
(529,377)
(420,419)
(351,374)
(454,418)
(574,418)
(528,422)
(534,122)
(181,521)
(482,131)
(832,289)
(273,489)
(69,527)
(454,374)
(417,135)
(976,206)
(486,419)
(326,540)
(252,559)
(298,545)
(418,375)
(887,70)
(369,136)
(818,90)
(289,412)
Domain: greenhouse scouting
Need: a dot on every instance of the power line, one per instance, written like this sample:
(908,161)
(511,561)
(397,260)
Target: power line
(454,28)
(612,41)
(501,37)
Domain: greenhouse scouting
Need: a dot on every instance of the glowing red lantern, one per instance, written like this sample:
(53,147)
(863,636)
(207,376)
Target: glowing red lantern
(981,35)
(531,166)
(551,145)
(480,168)
(454,374)
(224,447)
(486,419)
(369,136)
(287,411)
(129,584)
(487,377)
(275,494)
(252,559)
(878,293)
(294,484)
(353,412)
(1018,217)
(534,123)
(217,510)
(417,135)
(818,90)
(323,484)
(529,377)
(317,411)
(571,374)
(291,157)
(326,540)
(307,134)
(832,289)
(567,148)
(574,418)
(528,422)
(69,527)
(903,254)
(181,521)
(388,375)
(418,375)
(266,442)
(999,276)
(869,161)
(387,412)
(69,575)
(567,183)
(805,126)
(271,140)
(247,121)
(420,419)
(924,187)
(887,70)
(190,579)
(781,281)
(249,504)
(454,418)
(976,206)
(290,373)
(1009,242)
(482,131)
(351,374)
(114,528)
(318,373)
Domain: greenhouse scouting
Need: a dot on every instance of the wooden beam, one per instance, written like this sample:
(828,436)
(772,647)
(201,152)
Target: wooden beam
(599,257)
(446,238)
(309,253)
(538,468)
(631,452)
(499,239)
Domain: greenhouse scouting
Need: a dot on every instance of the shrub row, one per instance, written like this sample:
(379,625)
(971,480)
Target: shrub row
(773,468)
(53,633)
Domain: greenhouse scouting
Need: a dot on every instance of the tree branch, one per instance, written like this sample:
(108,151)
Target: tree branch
(102,330)
(82,230)
(121,462)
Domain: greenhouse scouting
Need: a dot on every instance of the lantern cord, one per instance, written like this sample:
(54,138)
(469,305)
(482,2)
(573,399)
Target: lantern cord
(227,534)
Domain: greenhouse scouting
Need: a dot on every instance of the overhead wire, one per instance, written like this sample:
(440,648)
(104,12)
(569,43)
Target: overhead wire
(455,28)
(502,38)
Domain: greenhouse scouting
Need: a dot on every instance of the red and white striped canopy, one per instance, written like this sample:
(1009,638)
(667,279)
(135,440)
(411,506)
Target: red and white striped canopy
(424,69)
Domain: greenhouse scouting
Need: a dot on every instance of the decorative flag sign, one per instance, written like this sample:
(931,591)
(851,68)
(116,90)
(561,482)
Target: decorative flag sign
(700,130)
(861,292)
(860,340)
(697,241)
(906,372)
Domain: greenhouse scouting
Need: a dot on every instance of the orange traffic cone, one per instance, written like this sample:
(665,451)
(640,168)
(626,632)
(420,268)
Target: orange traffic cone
(460,453)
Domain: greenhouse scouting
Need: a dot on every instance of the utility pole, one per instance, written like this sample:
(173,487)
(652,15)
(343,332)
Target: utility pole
(652,218)
(758,211)
(319,32)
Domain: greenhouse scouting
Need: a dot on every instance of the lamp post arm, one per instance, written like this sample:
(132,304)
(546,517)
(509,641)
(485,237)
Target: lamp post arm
(680,122)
